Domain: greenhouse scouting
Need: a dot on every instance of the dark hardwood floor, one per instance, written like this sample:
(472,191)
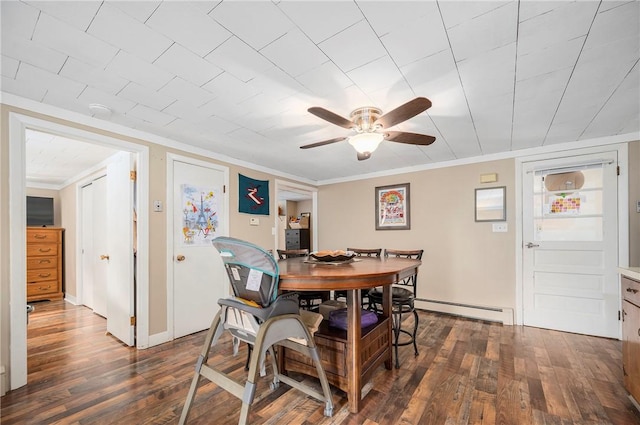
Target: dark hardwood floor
(468,372)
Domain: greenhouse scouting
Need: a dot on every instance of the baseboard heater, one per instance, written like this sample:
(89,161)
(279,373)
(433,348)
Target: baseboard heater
(493,314)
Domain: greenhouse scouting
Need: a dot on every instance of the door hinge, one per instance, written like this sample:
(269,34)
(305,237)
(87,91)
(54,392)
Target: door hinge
(133,320)
(618,315)
(133,175)
(224,188)
(618,170)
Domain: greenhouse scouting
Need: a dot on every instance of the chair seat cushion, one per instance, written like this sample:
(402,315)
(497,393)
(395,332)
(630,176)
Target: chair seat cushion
(397,294)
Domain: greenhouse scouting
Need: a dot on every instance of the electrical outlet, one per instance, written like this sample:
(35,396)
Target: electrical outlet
(499,227)
(157,206)
(638,206)
(254,221)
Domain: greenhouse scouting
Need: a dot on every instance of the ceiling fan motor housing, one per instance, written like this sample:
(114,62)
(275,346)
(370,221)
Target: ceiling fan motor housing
(364,118)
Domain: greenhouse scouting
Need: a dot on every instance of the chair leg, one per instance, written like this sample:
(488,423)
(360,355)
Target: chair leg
(202,359)
(415,331)
(396,332)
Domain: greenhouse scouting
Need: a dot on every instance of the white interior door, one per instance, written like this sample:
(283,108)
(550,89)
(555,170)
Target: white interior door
(87,245)
(119,225)
(199,279)
(570,245)
(100,250)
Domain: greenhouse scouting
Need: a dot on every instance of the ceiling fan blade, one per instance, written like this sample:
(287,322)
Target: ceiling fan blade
(409,138)
(324,142)
(331,117)
(404,112)
(363,156)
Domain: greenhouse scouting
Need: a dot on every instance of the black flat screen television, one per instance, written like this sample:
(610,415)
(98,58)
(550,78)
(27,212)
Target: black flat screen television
(39,211)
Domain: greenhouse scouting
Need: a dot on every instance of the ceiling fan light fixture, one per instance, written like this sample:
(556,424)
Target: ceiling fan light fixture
(366,142)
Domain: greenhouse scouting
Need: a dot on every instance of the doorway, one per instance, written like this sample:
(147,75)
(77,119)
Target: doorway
(570,243)
(18,125)
(292,200)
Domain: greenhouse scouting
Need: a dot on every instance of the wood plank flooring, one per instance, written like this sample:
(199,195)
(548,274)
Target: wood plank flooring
(468,372)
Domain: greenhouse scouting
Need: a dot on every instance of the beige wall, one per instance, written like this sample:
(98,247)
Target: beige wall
(634,198)
(464,261)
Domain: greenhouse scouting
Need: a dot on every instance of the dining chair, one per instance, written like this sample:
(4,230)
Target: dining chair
(403,294)
(261,318)
(364,293)
(309,300)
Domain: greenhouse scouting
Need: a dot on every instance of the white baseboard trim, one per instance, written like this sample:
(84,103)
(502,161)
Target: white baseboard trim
(157,339)
(3,381)
(503,315)
(70,298)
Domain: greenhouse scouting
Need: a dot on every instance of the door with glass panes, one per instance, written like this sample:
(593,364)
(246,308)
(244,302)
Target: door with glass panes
(570,244)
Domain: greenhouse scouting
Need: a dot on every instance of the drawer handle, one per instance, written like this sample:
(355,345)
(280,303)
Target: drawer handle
(40,236)
(632,290)
(46,260)
(45,249)
(44,274)
(42,288)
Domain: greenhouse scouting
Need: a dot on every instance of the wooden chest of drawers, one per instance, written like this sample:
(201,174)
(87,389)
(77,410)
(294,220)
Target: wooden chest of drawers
(44,263)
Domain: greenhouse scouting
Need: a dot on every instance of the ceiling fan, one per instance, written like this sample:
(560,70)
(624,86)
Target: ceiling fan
(370,126)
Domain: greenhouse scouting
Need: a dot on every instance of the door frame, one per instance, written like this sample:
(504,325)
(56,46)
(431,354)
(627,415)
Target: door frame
(18,123)
(313,191)
(622,150)
(171,159)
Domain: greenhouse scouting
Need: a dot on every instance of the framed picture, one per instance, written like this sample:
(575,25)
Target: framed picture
(491,204)
(392,207)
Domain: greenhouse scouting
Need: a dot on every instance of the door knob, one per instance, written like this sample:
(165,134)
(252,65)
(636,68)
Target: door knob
(531,245)
(180,258)
(104,257)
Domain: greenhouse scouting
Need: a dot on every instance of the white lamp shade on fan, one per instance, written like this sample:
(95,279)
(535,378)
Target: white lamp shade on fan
(366,142)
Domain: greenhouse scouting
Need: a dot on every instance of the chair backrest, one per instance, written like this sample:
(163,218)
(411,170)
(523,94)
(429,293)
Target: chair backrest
(252,271)
(415,254)
(361,252)
(291,253)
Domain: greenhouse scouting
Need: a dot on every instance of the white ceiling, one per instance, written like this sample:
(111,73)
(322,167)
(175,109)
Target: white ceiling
(237,77)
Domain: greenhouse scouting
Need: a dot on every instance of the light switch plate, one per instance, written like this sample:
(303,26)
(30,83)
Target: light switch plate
(638,206)
(500,227)
(157,206)
(254,221)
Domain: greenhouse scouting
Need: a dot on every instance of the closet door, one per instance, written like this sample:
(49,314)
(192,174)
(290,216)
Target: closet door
(100,252)
(87,245)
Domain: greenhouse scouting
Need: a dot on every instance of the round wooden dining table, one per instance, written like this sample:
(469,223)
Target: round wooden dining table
(349,357)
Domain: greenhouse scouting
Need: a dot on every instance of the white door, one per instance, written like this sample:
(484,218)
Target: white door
(101,209)
(119,225)
(87,245)
(199,279)
(570,244)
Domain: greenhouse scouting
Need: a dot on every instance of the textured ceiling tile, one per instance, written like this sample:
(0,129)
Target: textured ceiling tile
(25,89)
(188,26)
(325,79)
(492,30)
(353,47)
(73,42)
(187,65)
(416,40)
(489,75)
(376,75)
(564,23)
(227,87)
(75,13)
(145,96)
(9,67)
(186,91)
(549,59)
(33,53)
(92,76)
(387,16)
(53,82)
(150,115)
(305,57)
(257,25)
(239,59)
(140,10)
(135,69)
(616,24)
(127,33)
(320,20)
(455,13)
(18,19)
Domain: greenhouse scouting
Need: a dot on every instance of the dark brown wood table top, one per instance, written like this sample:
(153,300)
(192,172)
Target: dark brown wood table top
(301,274)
